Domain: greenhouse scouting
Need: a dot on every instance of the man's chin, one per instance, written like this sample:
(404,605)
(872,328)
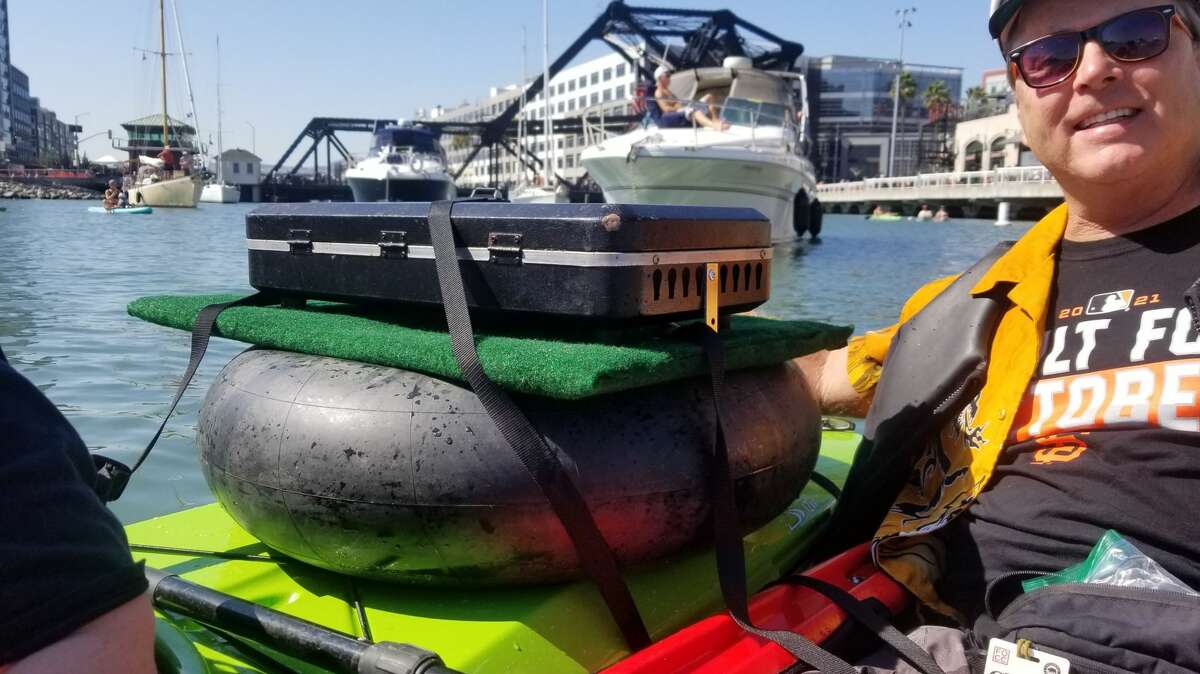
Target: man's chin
(1112,165)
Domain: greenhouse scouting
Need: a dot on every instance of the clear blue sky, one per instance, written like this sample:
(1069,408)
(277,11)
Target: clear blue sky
(285,62)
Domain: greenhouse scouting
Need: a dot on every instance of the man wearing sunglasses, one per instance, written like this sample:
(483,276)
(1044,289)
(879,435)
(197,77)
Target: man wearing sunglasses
(1089,416)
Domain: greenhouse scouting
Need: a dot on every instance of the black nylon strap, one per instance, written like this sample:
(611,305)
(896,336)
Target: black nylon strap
(542,463)
(731,559)
(109,487)
(905,647)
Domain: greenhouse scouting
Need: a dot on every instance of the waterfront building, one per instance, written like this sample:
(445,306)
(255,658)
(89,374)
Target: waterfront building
(6,137)
(144,136)
(241,168)
(39,138)
(23,150)
(54,140)
(850,99)
(601,85)
(989,135)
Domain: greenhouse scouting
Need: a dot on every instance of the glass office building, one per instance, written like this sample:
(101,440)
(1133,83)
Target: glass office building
(851,102)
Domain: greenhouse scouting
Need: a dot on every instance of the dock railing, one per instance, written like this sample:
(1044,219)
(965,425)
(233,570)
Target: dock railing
(998,180)
(70,174)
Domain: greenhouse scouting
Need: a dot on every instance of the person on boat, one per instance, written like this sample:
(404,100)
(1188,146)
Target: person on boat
(1089,414)
(674,113)
(73,599)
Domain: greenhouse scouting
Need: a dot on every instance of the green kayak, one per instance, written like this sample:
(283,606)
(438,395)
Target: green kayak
(561,628)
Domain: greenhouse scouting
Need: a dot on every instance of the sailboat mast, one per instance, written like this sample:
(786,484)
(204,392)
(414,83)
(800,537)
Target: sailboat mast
(547,125)
(220,143)
(187,75)
(521,118)
(162,55)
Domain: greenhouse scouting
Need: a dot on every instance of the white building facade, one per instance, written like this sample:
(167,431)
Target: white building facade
(240,167)
(606,84)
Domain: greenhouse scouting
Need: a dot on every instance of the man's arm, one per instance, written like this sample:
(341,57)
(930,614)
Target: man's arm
(827,375)
(118,642)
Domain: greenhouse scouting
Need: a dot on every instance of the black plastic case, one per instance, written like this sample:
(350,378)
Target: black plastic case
(598,261)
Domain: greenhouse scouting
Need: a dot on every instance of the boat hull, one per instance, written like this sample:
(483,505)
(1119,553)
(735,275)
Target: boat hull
(181,192)
(215,193)
(705,178)
(401,189)
(562,628)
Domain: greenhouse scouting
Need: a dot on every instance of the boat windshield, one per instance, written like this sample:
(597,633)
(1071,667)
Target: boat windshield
(746,112)
(415,140)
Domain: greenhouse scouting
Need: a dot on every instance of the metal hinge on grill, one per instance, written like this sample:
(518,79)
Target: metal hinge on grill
(393,245)
(504,248)
(299,241)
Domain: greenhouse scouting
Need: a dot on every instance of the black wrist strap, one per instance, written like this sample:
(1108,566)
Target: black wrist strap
(112,476)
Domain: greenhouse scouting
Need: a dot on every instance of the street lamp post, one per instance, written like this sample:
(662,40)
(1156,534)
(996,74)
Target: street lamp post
(904,23)
(253,144)
(77,155)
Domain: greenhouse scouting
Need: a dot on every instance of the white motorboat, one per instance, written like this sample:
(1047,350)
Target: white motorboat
(217,192)
(220,193)
(539,194)
(406,163)
(759,161)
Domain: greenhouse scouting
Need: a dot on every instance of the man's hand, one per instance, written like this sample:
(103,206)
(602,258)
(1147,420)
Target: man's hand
(826,374)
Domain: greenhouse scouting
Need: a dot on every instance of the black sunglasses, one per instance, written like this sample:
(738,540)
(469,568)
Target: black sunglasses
(1136,36)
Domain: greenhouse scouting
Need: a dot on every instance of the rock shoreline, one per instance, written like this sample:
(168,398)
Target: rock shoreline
(10,190)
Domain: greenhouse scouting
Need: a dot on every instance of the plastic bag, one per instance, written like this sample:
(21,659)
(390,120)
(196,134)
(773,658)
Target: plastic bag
(1114,561)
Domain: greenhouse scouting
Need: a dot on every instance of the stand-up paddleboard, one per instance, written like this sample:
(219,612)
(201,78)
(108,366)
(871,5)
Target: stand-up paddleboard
(140,210)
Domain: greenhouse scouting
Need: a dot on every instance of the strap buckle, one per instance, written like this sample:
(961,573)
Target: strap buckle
(111,478)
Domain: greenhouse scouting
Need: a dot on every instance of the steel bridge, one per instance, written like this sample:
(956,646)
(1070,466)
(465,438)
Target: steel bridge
(681,38)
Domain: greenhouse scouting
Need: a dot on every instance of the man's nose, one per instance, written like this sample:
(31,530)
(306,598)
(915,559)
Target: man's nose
(1096,68)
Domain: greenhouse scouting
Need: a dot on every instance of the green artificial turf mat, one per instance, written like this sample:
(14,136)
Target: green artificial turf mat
(569,362)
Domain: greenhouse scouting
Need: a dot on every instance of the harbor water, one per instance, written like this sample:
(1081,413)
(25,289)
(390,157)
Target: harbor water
(67,276)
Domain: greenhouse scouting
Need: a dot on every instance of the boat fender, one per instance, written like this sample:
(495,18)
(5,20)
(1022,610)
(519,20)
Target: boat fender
(936,364)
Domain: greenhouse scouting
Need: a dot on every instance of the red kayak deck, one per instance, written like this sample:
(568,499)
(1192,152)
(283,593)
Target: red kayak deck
(716,645)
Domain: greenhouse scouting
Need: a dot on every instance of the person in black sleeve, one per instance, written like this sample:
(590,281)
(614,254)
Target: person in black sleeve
(71,597)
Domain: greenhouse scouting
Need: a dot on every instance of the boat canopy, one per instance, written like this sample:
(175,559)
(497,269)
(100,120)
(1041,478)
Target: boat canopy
(419,139)
(745,83)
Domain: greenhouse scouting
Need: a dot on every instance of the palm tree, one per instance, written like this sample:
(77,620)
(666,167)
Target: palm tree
(976,96)
(908,87)
(937,99)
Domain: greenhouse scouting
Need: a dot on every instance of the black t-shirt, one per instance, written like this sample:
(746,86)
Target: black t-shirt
(1108,433)
(64,560)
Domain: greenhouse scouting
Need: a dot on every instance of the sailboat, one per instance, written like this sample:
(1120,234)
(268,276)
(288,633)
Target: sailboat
(546,192)
(159,180)
(218,192)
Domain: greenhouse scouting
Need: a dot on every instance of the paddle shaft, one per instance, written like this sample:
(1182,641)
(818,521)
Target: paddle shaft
(307,641)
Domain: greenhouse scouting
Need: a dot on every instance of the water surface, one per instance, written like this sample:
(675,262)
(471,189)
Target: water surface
(67,275)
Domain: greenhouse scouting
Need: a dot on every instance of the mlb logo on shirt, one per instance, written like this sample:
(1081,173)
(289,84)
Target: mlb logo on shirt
(1106,303)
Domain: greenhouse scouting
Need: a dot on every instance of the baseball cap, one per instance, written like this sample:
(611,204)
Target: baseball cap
(660,71)
(1002,12)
